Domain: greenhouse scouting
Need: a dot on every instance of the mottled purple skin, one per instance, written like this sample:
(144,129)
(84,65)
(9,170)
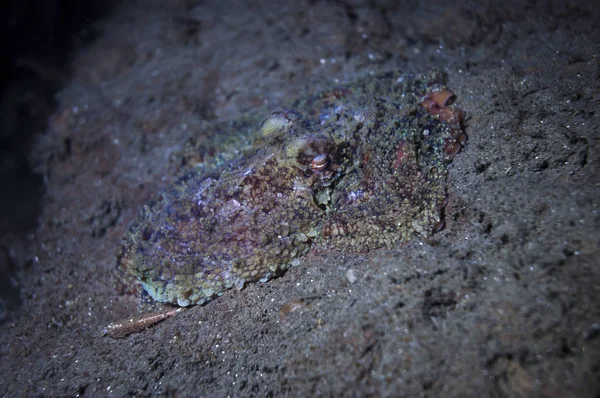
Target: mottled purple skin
(357,168)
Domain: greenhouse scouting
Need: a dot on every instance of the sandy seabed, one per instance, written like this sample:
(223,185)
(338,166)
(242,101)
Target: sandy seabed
(503,302)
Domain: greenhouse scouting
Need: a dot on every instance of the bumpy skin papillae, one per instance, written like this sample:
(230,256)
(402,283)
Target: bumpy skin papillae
(356,168)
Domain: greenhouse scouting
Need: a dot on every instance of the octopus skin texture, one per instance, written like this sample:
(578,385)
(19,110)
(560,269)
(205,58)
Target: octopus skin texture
(356,168)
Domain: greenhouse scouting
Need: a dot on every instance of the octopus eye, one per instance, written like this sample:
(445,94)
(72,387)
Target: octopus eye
(320,163)
(311,153)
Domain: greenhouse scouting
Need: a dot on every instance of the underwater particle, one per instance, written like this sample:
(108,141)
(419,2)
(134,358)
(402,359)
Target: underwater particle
(356,168)
(351,275)
(294,306)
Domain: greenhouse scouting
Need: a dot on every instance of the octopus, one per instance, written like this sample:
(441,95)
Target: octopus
(356,168)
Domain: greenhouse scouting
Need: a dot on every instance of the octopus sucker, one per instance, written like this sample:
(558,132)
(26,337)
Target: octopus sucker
(356,168)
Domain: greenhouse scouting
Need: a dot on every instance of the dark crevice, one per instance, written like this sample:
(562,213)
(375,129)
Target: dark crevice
(37,40)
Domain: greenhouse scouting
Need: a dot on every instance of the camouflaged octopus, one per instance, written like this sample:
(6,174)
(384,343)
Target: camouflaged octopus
(356,168)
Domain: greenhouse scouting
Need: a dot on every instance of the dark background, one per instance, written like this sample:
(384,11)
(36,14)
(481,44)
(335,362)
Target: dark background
(37,38)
